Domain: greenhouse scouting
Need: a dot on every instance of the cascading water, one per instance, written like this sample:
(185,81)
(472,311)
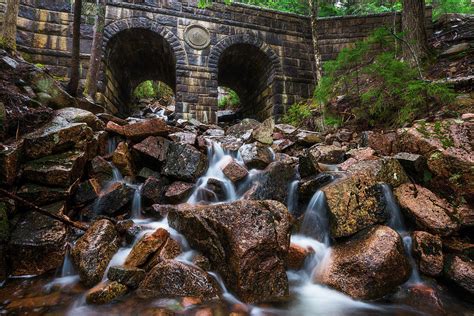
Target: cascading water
(293,196)
(315,221)
(396,222)
(68,275)
(137,202)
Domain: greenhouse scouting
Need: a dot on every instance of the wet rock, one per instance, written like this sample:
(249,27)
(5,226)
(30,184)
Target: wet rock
(184,162)
(243,129)
(214,132)
(202,262)
(428,211)
(146,247)
(306,167)
(297,256)
(42,82)
(183,138)
(368,266)
(355,156)
(10,157)
(282,144)
(327,154)
(37,243)
(113,198)
(415,165)
(105,293)
(122,159)
(385,170)
(273,183)
(60,170)
(41,195)
(233,170)
(128,276)
(56,138)
(428,250)
(246,242)
(178,192)
(263,133)
(171,278)
(141,130)
(309,186)
(460,270)
(93,251)
(87,192)
(170,250)
(101,170)
(153,149)
(128,229)
(152,190)
(146,173)
(76,115)
(255,156)
(106,117)
(424,298)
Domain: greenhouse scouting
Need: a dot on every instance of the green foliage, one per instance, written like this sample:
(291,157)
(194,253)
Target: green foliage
(229,101)
(451,6)
(297,114)
(333,120)
(152,90)
(387,89)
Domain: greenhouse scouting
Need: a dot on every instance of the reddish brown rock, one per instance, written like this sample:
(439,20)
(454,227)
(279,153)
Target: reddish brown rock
(297,256)
(178,192)
(428,211)
(170,250)
(184,162)
(146,247)
(129,276)
(428,251)
(246,242)
(141,130)
(327,154)
(385,143)
(113,198)
(369,266)
(171,278)
(152,190)
(256,156)
(105,293)
(460,270)
(122,159)
(233,170)
(183,138)
(153,149)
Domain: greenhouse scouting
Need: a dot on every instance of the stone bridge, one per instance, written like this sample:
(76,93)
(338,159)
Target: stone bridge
(264,55)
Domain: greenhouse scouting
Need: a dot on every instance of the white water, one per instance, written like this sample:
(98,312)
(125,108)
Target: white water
(315,221)
(68,276)
(397,223)
(137,202)
(293,196)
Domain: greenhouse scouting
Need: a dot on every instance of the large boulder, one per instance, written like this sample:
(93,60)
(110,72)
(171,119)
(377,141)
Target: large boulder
(172,278)
(42,195)
(368,266)
(153,149)
(273,183)
(428,211)
(93,251)
(184,162)
(141,130)
(60,170)
(76,115)
(246,242)
(356,201)
(460,271)
(178,192)
(428,250)
(129,276)
(56,138)
(256,156)
(58,98)
(113,198)
(37,243)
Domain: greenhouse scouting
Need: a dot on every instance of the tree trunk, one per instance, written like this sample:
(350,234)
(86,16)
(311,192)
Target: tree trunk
(8,33)
(314,10)
(96,51)
(413,27)
(76,49)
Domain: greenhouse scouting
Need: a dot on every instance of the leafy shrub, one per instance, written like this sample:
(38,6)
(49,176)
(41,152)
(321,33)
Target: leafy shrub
(387,90)
(297,114)
(230,100)
(152,90)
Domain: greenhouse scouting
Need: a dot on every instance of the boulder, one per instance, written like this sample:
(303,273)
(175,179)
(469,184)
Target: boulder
(92,252)
(309,186)
(428,211)
(152,190)
(170,250)
(128,276)
(184,162)
(233,170)
(113,198)
(44,83)
(37,243)
(280,145)
(243,129)
(245,241)
(105,293)
(146,247)
(415,165)
(327,154)
(87,192)
(460,271)
(10,157)
(183,138)
(60,170)
(153,149)
(122,159)
(214,132)
(42,195)
(385,170)
(297,256)
(57,138)
(255,156)
(428,250)
(178,192)
(384,143)
(285,129)
(308,138)
(264,132)
(76,115)
(273,183)
(368,266)
(171,278)
(141,130)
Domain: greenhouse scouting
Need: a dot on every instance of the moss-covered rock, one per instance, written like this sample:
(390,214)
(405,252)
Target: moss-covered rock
(105,293)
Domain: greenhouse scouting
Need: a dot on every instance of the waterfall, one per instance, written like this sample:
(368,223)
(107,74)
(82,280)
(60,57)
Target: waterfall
(315,221)
(137,202)
(397,223)
(67,269)
(293,196)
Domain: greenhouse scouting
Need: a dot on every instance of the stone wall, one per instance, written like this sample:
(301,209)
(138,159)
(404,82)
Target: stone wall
(270,52)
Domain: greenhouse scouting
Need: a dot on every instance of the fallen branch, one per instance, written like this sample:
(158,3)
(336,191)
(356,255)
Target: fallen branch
(59,217)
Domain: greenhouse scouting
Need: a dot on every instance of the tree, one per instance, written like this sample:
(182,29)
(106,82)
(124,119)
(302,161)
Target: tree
(96,51)
(413,27)
(314,10)
(76,49)
(8,34)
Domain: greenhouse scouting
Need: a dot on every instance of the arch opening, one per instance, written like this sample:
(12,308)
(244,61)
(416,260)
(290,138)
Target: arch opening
(132,57)
(248,71)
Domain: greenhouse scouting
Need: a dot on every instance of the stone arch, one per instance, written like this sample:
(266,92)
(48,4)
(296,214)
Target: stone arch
(135,50)
(246,64)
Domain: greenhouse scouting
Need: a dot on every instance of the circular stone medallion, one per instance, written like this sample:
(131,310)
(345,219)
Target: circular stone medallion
(197,36)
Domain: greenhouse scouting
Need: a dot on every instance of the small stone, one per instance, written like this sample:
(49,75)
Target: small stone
(233,170)
(105,293)
(178,192)
(255,156)
(128,276)
(263,133)
(146,247)
(297,256)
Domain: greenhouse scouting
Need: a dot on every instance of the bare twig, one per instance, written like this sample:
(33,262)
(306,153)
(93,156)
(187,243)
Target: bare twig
(59,217)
